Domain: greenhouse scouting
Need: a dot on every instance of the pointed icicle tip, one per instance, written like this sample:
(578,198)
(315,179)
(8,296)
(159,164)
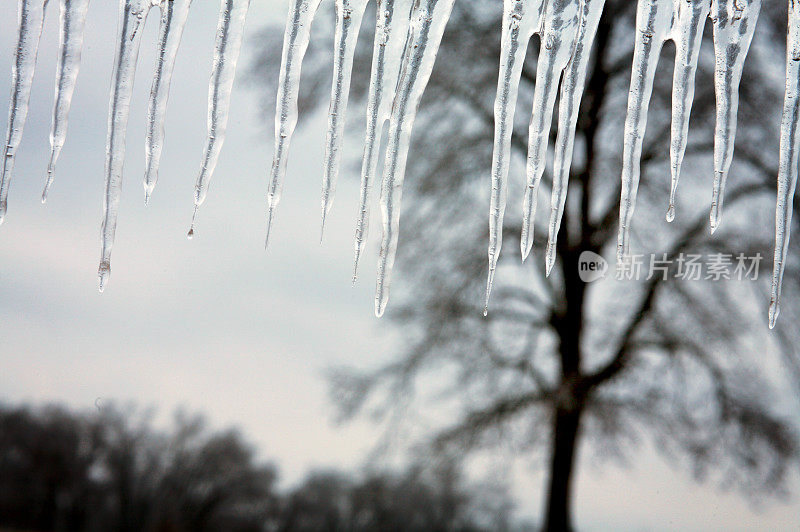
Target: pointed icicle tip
(355,263)
(489,283)
(715,218)
(48,182)
(355,271)
(269,227)
(379,308)
(525,247)
(774,312)
(190,234)
(622,255)
(322,225)
(671,213)
(103,273)
(148,191)
(550,261)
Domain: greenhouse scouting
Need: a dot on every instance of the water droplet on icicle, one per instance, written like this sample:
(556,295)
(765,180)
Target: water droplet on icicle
(103,273)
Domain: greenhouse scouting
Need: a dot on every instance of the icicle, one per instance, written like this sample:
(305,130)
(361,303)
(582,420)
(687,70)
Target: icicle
(230,33)
(571,95)
(73,21)
(30,18)
(295,44)
(428,21)
(567,29)
(173,20)
(653,24)
(349,14)
(688,34)
(558,35)
(790,159)
(391,28)
(734,26)
(657,22)
(521,19)
(132,15)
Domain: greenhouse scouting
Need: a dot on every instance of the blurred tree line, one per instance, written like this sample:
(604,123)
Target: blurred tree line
(114,470)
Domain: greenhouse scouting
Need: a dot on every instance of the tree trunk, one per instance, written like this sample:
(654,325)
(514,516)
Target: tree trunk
(565,442)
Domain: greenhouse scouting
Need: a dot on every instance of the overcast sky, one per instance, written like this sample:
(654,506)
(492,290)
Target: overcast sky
(217,324)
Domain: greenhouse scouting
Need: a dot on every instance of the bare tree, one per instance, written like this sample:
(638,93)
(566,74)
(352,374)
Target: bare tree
(559,362)
(111,470)
(63,470)
(424,497)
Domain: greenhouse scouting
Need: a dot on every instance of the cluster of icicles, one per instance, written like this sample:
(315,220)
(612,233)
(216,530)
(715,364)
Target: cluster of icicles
(407,37)
(132,17)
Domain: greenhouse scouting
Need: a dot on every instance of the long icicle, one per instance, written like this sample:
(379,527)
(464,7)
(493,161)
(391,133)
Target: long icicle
(349,14)
(230,33)
(173,20)
(688,35)
(70,46)
(391,29)
(428,21)
(30,18)
(789,160)
(734,26)
(132,16)
(653,21)
(520,20)
(295,44)
(571,95)
(559,31)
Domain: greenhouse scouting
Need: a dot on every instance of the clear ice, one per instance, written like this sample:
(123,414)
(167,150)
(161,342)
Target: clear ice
(428,21)
(30,18)
(70,46)
(230,33)
(173,21)
(681,21)
(349,14)
(295,44)
(132,17)
(789,160)
(407,38)
(567,29)
(391,28)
